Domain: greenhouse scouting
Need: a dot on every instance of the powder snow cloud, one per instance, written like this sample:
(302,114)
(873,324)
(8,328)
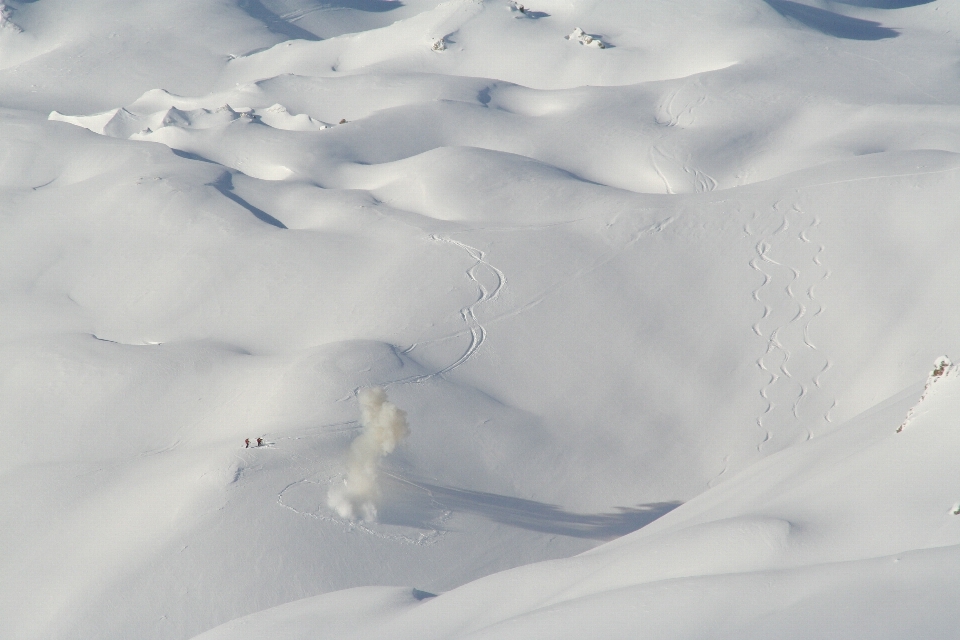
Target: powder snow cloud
(384,426)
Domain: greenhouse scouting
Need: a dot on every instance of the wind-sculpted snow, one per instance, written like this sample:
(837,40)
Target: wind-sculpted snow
(601,283)
(121,123)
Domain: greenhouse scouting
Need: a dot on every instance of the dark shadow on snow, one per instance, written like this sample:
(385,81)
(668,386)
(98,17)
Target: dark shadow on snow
(273,22)
(224,184)
(885,4)
(191,156)
(832,24)
(371,6)
(419,504)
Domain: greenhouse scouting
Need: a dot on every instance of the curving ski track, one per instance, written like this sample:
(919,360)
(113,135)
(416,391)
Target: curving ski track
(432,536)
(474,328)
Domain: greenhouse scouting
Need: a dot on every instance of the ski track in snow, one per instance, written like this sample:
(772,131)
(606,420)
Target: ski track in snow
(298,14)
(673,119)
(474,328)
(701,180)
(477,334)
(306,467)
(654,228)
(653,160)
(429,537)
(792,362)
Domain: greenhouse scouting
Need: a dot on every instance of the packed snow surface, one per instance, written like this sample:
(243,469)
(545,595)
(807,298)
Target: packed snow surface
(418,319)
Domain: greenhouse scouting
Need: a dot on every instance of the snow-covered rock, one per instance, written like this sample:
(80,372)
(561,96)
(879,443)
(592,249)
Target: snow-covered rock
(586,39)
(941,369)
(6,19)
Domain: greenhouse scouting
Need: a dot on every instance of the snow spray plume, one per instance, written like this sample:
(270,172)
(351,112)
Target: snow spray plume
(384,425)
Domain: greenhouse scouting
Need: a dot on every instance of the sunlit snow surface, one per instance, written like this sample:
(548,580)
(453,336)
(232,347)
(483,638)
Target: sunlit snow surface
(693,279)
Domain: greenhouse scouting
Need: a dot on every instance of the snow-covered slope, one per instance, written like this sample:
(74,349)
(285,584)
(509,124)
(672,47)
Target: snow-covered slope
(600,281)
(856,534)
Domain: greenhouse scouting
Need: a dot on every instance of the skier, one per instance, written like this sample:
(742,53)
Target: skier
(259,442)
(246,443)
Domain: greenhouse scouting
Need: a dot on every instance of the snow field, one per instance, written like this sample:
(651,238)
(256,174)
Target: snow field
(600,282)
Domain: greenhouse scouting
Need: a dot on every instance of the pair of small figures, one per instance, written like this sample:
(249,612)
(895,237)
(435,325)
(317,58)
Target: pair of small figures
(246,443)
